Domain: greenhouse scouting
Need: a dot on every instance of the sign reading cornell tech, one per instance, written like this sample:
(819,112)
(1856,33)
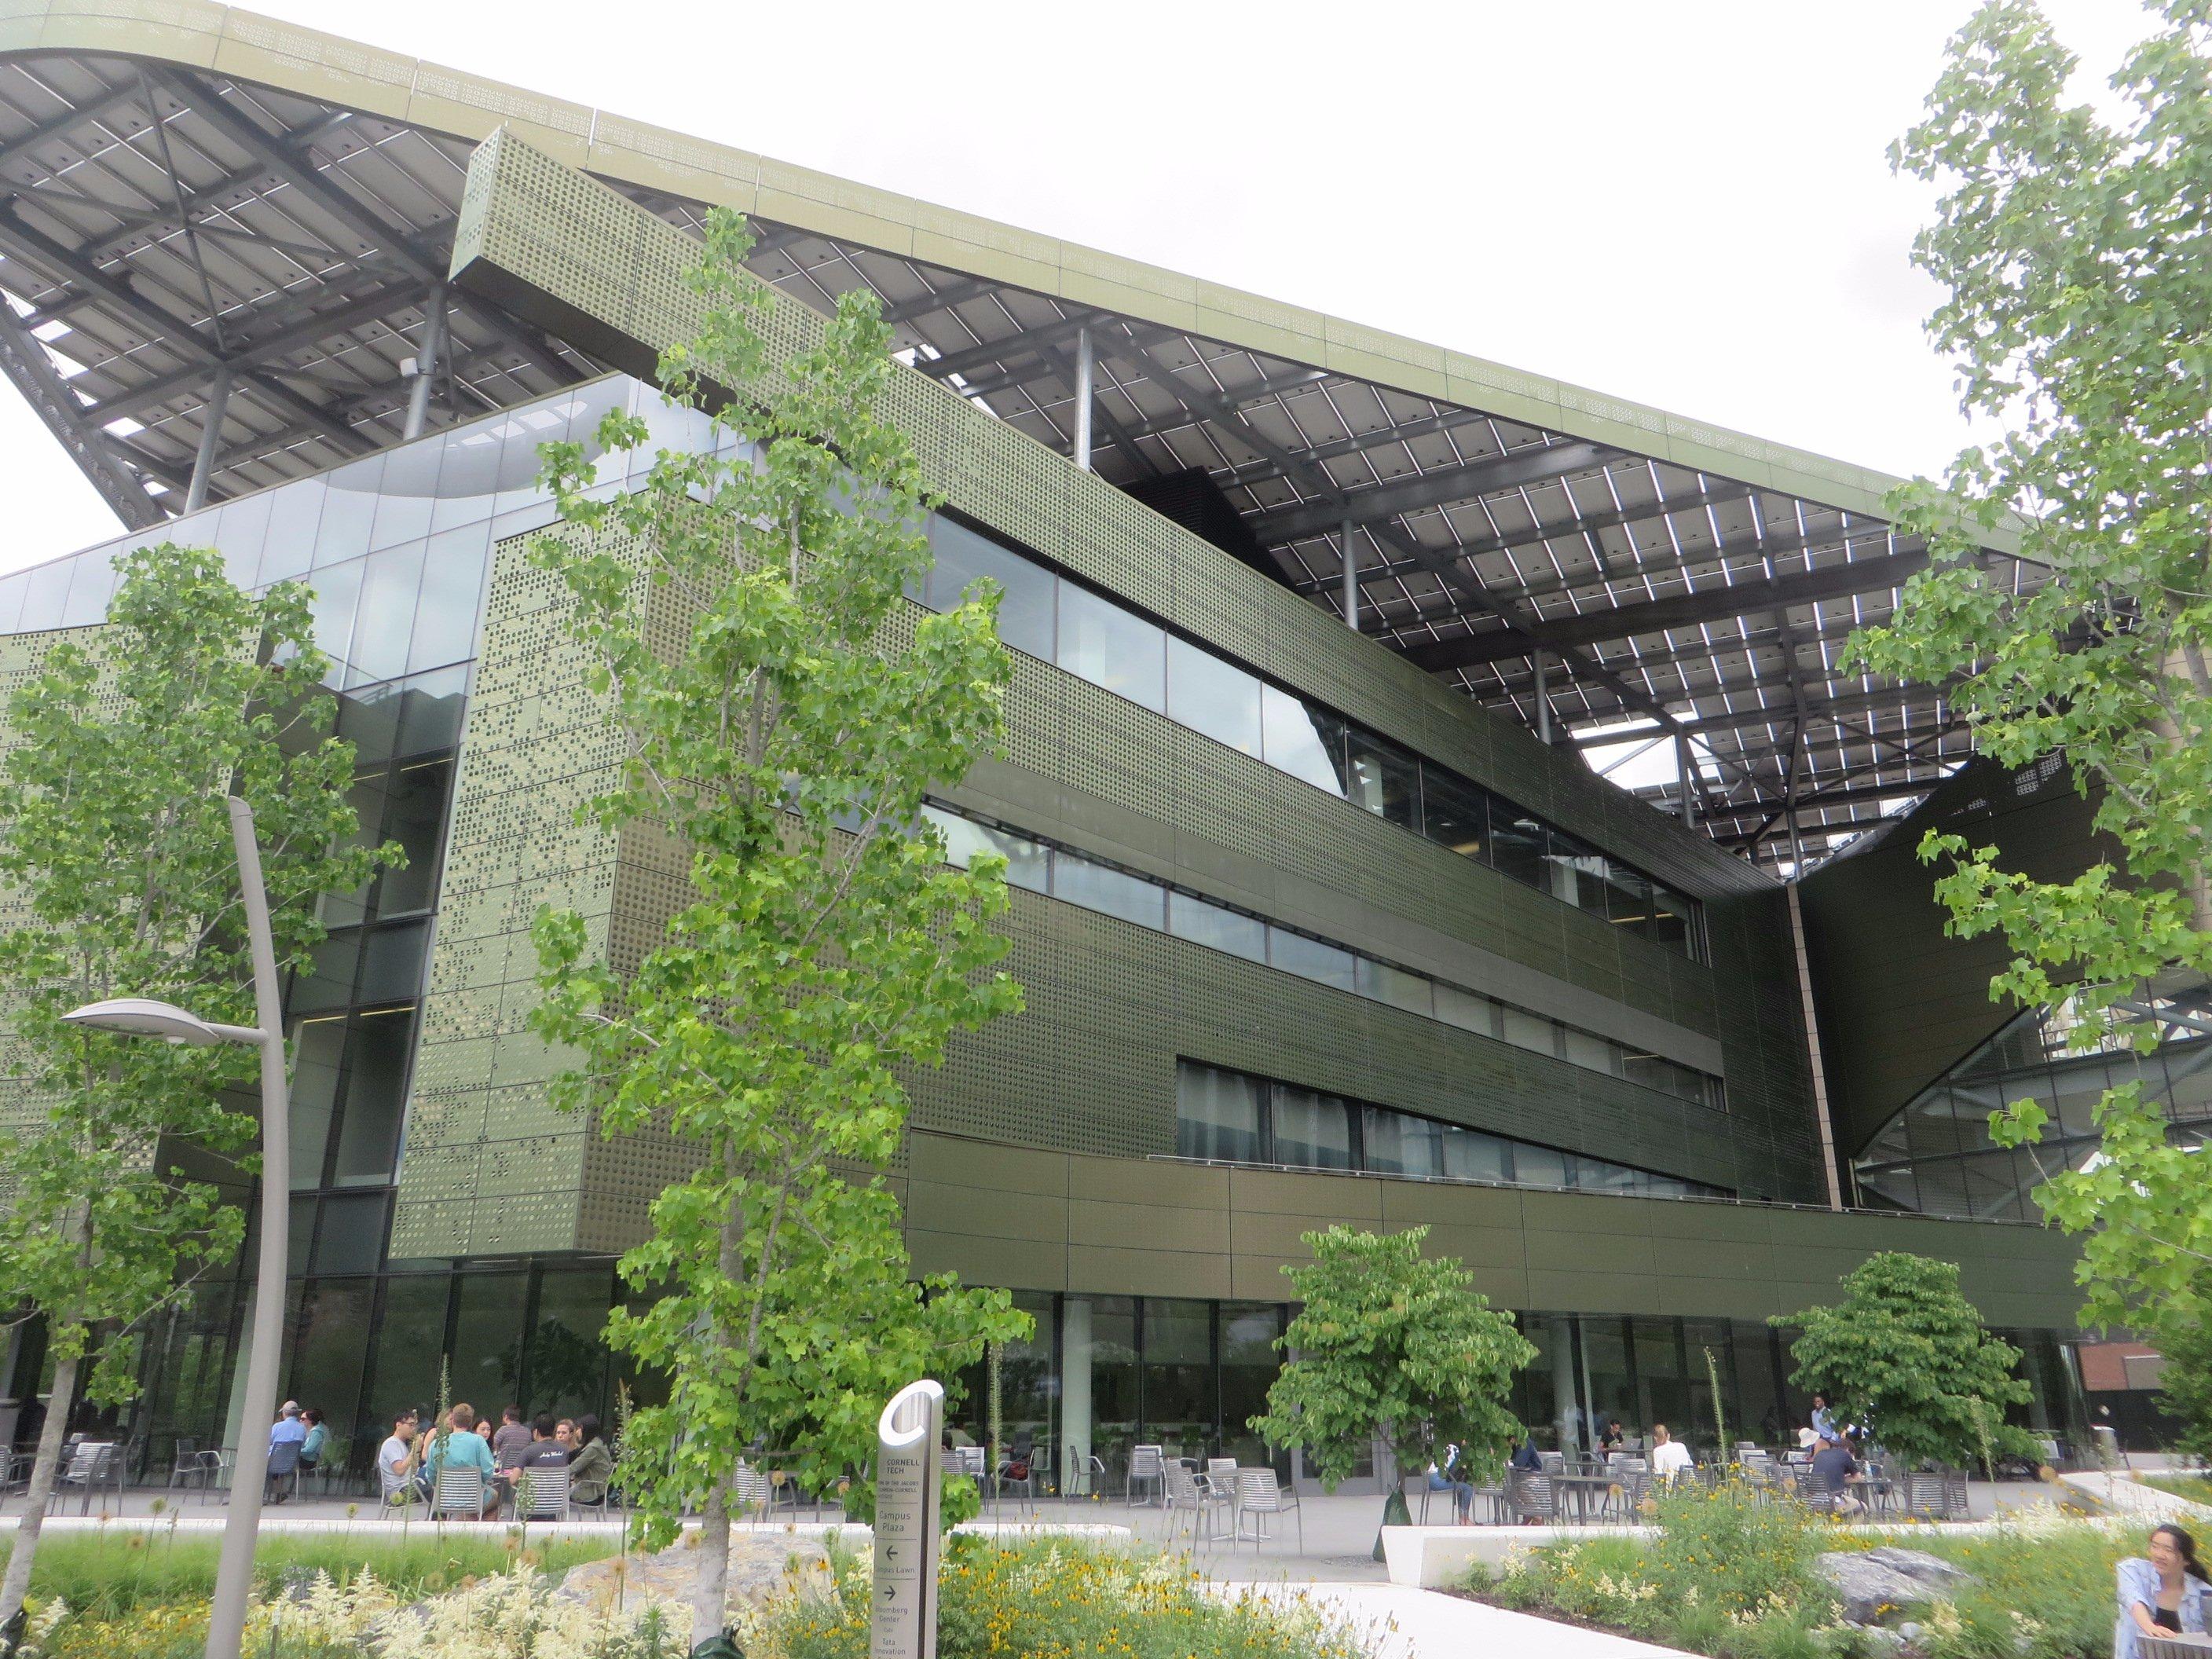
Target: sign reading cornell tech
(908,1494)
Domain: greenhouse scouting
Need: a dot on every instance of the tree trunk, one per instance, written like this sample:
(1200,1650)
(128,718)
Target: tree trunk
(44,1471)
(710,1583)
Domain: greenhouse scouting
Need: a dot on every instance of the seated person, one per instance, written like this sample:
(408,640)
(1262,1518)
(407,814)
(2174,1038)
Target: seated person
(1669,1456)
(462,1448)
(1527,1457)
(510,1440)
(318,1435)
(1449,1474)
(399,1461)
(1834,1473)
(545,1450)
(286,1431)
(2163,1592)
(590,1464)
(1614,1436)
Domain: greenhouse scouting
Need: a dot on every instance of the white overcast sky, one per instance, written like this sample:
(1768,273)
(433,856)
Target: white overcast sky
(1687,204)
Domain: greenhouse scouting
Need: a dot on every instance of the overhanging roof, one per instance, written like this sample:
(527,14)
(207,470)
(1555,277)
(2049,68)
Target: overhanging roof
(190,190)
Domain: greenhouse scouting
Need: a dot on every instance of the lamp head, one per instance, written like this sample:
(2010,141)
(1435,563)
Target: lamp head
(145,1017)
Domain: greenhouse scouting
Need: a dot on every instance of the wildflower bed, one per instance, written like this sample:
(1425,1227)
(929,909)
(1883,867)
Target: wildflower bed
(2196,1488)
(484,1597)
(1728,1576)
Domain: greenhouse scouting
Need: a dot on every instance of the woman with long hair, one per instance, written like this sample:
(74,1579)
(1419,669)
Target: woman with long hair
(590,1466)
(2162,1593)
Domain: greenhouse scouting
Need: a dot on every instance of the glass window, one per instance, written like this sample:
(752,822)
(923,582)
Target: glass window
(1471,1155)
(1249,1363)
(1517,845)
(1218,1115)
(1179,1375)
(415,817)
(1382,778)
(336,593)
(1222,930)
(327,979)
(391,587)
(12,589)
(349,511)
(1670,924)
(1455,813)
(1466,1010)
(1309,958)
(1397,1142)
(332,1352)
(1114,892)
(1104,644)
(351,1237)
(1395,986)
(375,1098)
(1028,865)
(1025,605)
(1627,898)
(1309,1131)
(451,590)
(1532,1032)
(91,586)
(1210,696)
(1574,873)
(46,594)
(468,476)
(568,1361)
(432,705)
(1539,1166)
(1306,743)
(244,528)
(403,502)
(295,512)
(409,1347)
(319,1050)
(391,963)
(1098,1382)
(1590,1052)
(487,1370)
(522,431)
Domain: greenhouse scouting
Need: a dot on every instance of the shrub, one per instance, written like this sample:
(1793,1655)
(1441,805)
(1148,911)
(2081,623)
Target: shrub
(1071,1601)
(1738,1553)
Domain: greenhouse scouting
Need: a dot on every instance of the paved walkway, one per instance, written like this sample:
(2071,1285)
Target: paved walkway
(1396,1621)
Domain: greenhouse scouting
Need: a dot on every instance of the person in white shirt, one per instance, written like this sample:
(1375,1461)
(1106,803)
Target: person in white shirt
(1669,1456)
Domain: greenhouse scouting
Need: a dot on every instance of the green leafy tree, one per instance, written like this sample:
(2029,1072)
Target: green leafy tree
(783,714)
(2072,249)
(1392,1346)
(1905,1353)
(116,854)
(2186,1383)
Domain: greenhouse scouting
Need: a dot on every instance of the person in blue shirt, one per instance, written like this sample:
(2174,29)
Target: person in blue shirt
(318,1436)
(2164,1593)
(1824,1418)
(462,1448)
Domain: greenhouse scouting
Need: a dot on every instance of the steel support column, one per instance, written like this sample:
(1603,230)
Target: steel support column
(426,363)
(1543,700)
(1085,372)
(211,413)
(1686,775)
(1351,578)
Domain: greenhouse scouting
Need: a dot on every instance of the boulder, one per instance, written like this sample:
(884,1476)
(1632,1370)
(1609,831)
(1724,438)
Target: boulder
(1878,1585)
(764,1567)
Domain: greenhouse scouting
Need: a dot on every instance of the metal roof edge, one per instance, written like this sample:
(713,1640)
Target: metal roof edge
(308,63)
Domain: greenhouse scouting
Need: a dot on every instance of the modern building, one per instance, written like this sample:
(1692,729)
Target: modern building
(1316,921)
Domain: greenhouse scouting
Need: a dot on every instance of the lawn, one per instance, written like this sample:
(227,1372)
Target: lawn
(1730,1576)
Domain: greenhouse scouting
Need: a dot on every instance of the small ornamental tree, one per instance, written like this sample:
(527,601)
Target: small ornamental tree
(744,615)
(2186,1383)
(116,856)
(1395,1346)
(1906,1354)
(2072,249)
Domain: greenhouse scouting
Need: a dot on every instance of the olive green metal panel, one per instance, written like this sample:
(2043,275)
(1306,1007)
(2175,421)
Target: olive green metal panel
(490,1166)
(1558,1252)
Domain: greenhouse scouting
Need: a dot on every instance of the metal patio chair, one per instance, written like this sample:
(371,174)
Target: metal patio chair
(1260,1495)
(1186,1497)
(1148,1464)
(458,1492)
(542,1493)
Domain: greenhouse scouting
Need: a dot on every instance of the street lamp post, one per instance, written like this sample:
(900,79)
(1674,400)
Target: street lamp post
(143,1016)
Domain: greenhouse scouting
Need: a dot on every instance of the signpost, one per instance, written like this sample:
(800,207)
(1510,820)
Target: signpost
(904,1626)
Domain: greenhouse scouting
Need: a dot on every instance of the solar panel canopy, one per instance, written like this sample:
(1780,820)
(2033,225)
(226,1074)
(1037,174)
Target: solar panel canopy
(223,248)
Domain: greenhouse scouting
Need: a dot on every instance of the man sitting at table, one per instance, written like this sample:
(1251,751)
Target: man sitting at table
(1835,1472)
(1669,1456)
